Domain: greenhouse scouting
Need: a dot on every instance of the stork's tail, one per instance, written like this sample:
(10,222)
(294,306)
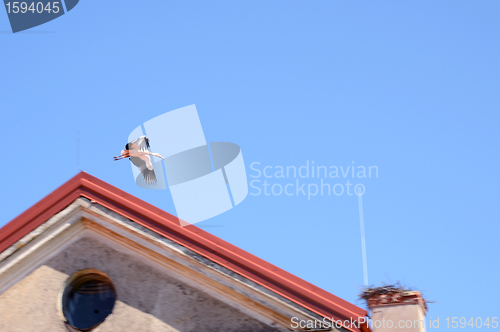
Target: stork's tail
(149,176)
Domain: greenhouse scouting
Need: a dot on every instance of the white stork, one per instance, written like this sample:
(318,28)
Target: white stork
(138,152)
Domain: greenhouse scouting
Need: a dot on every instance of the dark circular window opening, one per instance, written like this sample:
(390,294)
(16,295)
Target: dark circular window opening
(88,299)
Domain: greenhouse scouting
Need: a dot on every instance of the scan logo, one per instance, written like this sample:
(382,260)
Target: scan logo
(28,14)
(205,180)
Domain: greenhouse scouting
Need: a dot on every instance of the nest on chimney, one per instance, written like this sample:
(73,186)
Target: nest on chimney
(384,289)
(391,294)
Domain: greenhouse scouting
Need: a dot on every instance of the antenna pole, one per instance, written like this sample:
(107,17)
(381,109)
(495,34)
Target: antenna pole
(78,149)
(363,242)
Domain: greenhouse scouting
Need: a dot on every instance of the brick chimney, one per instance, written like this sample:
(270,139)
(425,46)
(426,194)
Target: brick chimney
(395,310)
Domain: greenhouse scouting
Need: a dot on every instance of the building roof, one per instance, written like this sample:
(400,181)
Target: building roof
(217,250)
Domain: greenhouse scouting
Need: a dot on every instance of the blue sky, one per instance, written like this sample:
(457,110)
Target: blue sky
(408,86)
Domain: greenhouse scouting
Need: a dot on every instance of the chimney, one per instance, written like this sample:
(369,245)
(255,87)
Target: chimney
(394,309)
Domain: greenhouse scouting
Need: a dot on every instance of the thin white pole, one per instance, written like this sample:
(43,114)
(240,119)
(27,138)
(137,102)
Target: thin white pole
(78,150)
(363,241)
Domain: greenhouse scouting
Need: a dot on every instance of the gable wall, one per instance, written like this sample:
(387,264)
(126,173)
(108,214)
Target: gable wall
(147,299)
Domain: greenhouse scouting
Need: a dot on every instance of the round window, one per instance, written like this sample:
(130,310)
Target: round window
(88,299)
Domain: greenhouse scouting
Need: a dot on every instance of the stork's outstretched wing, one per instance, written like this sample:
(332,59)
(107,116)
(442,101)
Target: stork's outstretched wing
(142,142)
(148,175)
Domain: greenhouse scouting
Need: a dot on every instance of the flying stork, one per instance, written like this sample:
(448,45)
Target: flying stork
(138,152)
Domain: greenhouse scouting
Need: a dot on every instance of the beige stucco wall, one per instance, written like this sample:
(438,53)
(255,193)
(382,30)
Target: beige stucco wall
(147,299)
(398,318)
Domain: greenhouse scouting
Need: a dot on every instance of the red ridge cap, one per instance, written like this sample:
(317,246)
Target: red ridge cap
(269,276)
